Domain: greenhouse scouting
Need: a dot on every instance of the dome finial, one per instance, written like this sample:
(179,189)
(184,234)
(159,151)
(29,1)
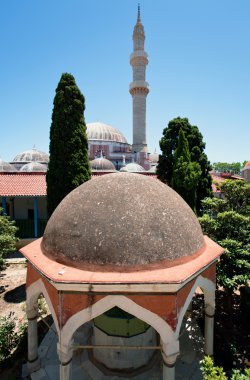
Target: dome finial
(139,13)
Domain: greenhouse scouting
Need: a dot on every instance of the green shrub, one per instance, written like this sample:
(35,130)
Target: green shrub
(211,372)
(8,336)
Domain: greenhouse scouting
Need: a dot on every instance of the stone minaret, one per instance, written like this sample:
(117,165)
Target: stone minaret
(139,88)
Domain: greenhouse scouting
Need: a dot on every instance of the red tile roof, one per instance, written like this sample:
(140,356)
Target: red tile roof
(28,184)
(22,184)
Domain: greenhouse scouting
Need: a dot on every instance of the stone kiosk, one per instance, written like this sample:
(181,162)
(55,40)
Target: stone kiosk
(121,247)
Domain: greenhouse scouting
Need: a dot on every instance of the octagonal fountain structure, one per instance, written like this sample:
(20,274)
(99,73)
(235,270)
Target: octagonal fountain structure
(126,252)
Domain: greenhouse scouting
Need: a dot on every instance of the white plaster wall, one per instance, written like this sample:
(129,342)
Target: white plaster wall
(21,206)
(119,358)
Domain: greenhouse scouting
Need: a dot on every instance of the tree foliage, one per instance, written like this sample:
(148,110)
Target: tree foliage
(7,236)
(211,372)
(228,222)
(186,174)
(68,165)
(168,145)
(226,167)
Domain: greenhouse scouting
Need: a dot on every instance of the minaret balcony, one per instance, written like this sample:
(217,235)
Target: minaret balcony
(139,85)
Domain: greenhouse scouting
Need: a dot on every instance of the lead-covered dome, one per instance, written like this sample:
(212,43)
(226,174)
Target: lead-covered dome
(34,167)
(6,167)
(132,168)
(32,155)
(105,132)
(102,164)
(122,222)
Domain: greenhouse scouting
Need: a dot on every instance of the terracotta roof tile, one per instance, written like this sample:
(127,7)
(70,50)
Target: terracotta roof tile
(22,184)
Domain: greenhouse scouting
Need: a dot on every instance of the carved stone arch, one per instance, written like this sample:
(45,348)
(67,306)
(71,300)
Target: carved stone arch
(208,288)
(33,292)
(162,327)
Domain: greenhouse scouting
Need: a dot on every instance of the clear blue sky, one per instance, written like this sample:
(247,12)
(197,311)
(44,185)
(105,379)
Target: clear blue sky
(199,67)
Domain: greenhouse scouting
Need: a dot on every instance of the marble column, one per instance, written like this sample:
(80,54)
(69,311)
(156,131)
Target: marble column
(170,352)
(33,359)
(209,330)
(65,354)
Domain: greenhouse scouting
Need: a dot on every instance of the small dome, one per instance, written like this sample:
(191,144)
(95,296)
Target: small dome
(152,169)
(102,164)
(154,157)
(6,167)
(105,132)
(122,221)
(33,167)
(132,168)
(32,155)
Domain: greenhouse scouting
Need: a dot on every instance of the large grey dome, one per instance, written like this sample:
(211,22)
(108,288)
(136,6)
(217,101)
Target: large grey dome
(32,155)
(101,131)
(122,221)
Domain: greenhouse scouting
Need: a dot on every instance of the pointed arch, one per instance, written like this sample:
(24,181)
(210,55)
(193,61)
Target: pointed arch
(162,327)
(33,292)
(208,288)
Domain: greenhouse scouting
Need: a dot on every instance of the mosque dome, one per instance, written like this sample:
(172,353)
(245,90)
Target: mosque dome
(122,221)
(105,132)
(6,167)
(132,168)
(152,169)
(32,155)
(102,164)
(33,167)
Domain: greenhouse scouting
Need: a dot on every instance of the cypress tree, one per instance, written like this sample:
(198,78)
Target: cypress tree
(168,145)
(69,164)
(186,174)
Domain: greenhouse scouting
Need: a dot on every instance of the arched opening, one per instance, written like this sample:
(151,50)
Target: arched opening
(195,327)
(191,337)
(117,344)
(88,325)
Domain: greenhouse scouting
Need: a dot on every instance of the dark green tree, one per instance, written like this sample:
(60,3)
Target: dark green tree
(228,223)
(69,165)
(226,167)
(168,145)
(186,174)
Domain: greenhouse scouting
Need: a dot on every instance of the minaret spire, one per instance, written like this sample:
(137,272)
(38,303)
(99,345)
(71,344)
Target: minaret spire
(139,13)
(139,88)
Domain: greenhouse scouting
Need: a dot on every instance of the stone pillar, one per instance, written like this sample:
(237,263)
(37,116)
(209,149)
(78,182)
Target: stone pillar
(209,330)
(170,352)
(33,359)
(65,354)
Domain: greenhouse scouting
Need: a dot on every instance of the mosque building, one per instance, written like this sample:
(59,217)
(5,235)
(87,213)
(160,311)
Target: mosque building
(23,182)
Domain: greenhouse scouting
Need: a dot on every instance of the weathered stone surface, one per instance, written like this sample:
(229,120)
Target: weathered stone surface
(122,222)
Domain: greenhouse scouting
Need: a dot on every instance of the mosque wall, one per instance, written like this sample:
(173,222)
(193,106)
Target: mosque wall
(22,205)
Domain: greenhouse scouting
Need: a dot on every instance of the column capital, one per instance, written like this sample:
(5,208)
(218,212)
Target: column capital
(65,353)
(32,313)
(170,349)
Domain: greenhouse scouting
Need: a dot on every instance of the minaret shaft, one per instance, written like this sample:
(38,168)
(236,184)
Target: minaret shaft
(139,87)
